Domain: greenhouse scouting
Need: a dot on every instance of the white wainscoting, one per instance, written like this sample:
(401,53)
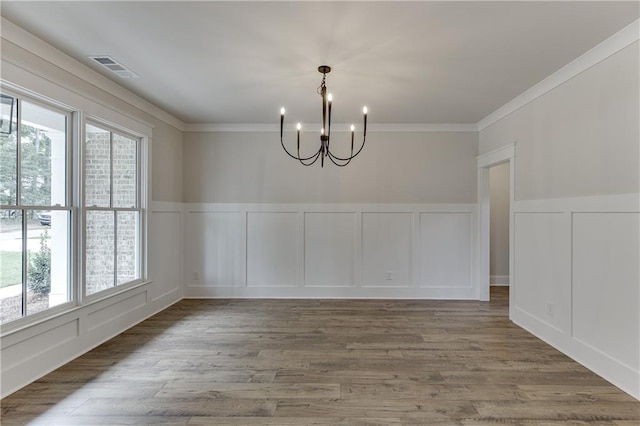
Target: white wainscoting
(273,254)
(446,255)
(576,272)
(165,251)
(330,250)
(31,352)
(605,276)
(387,249)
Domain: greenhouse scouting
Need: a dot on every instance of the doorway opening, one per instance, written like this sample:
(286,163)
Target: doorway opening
(499,207)
(502,157)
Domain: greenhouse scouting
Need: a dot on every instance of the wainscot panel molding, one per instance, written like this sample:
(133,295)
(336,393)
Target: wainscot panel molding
(34,350)
(330,250)
(576,280)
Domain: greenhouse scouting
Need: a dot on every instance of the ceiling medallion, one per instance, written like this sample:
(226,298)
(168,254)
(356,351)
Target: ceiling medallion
(325,136)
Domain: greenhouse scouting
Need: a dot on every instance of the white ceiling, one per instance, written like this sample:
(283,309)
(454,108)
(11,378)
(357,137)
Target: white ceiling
(409,62)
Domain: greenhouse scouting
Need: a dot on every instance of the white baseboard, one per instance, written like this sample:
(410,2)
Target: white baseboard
(565,252)
(621,375)
(331,292)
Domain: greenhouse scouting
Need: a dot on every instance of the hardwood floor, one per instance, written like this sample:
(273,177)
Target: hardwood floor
(321,362)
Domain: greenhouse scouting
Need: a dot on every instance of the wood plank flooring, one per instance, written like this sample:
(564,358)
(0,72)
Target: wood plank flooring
(324,362)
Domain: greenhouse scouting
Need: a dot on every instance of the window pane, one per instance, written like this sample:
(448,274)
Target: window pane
(10,265)
(47,260)
(128,238)
(124,171)
(97,167)
(8,151)
(43,149)
(100,268)
(60,244)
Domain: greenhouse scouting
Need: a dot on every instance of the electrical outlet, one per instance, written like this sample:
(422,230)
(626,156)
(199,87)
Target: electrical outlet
(551,309)
(389,276)
(196,276)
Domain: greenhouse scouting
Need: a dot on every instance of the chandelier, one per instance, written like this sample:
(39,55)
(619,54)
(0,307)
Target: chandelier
(325,135)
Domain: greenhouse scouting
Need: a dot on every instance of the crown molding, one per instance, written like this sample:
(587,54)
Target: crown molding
(338,127)
(623,38)
(17,35)
(24,39)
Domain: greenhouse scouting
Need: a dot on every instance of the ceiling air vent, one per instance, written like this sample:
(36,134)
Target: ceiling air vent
(115,67)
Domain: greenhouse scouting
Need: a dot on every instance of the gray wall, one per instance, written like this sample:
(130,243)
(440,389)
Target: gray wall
(499,235)
(166,182)
(167,163)
(436,167)
(579,139)
(576,214)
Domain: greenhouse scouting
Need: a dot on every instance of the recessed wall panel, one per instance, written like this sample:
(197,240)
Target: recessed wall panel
(446,240)
(272,249)
(39,344)
(215,244)
(164,251)
(606,289)
(542,266)
(387,240)
(105,314)
(329,241)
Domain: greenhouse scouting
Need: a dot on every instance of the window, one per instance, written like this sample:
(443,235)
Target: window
(72,208)
(112,208)
(36,212)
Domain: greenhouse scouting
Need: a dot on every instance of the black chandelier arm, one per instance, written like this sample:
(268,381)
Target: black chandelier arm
(316,155)
(364,139)
(293,156)
(331,157)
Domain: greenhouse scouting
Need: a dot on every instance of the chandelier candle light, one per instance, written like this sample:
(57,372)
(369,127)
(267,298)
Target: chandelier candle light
(325,137)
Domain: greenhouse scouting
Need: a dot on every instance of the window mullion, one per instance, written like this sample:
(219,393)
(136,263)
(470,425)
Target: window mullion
(68,166)
(24,262)
(110,169)
(115,248)
(138,173)
(80,219)
(115,213)
(18,152)
(112,209)
(23,212)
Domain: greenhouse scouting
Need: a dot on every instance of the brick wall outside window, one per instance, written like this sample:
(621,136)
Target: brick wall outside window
(101,271)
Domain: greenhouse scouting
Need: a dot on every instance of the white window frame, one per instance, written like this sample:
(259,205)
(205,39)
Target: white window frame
(142,201)
(77,118)
(70,206)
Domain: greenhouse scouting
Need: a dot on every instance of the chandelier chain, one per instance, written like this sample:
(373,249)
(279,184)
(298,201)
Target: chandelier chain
(322,84)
